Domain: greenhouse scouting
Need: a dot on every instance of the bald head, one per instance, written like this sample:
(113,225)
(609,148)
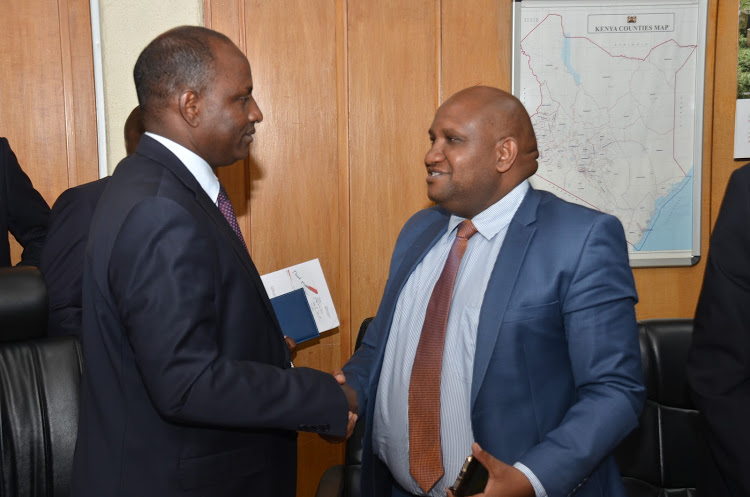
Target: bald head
(504,116)
(483,146)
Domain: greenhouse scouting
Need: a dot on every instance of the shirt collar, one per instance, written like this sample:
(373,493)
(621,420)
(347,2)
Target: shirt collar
(194,163)
(496,217)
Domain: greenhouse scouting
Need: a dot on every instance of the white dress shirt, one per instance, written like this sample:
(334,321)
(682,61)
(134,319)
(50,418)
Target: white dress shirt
(197,166)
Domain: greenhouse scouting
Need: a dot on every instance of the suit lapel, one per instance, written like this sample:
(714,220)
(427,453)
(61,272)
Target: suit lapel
(414,252)
(230,239)
(417,251)
(500,285)
(161,154)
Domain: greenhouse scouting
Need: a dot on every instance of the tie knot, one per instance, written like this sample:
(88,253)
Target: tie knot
(466,229)
(222,192)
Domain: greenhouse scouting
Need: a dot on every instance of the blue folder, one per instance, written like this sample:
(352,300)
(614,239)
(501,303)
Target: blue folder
(295,316)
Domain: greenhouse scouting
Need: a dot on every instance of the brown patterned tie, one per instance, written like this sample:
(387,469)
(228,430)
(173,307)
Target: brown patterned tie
(225,206)
(425,454)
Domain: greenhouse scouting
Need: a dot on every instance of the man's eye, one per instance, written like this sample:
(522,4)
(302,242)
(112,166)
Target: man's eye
(452,138)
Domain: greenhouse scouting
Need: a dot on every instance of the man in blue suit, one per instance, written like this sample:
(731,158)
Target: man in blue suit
(541,364)
(187,385)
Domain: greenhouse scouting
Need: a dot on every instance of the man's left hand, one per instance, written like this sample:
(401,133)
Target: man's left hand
(505,480)
(291,345)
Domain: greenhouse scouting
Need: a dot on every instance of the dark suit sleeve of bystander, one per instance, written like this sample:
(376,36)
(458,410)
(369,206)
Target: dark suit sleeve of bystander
(719,359)
(26,211)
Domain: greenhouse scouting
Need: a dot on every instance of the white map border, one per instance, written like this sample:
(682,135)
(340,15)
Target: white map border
(643,258)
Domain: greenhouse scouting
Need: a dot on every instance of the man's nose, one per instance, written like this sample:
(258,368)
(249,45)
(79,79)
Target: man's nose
(433,155)
(255,114)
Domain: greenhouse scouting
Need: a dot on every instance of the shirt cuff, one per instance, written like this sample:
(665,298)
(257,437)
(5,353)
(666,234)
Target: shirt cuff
(538,488)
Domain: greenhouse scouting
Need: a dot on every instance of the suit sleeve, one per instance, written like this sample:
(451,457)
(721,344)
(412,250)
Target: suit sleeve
(719,358)
(28,213)
(163,274)
(602,339)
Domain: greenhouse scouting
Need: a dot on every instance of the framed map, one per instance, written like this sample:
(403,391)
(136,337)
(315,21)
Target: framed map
(615,92)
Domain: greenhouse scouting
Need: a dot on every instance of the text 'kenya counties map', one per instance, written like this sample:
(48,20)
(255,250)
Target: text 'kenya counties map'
(611,91)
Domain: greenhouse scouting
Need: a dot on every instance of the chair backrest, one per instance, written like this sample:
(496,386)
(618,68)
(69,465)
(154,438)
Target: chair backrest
(23,303)
(39,392)
(660,457)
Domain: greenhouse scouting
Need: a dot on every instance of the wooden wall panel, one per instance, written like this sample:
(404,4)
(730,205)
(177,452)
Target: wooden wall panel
(47,108)
(393,92)
(78,78)
(475,45)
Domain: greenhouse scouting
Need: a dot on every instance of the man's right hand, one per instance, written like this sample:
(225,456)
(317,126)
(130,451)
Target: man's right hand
(340,377)
(351,399)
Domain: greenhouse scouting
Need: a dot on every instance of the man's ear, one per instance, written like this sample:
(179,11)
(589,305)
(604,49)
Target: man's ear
(507,151)
(190,107)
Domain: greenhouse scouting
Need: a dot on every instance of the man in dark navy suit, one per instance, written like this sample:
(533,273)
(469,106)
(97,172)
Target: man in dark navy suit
(188,389)
(23,211)
(63,251)
(719,360)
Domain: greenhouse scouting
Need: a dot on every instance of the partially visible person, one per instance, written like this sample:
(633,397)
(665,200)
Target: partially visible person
(187,386)
(63,251)
(527,343)
(134,129)
(718,365)
(23,211)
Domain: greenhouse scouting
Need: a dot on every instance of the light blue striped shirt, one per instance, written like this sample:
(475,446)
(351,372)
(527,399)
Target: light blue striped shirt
(391,420)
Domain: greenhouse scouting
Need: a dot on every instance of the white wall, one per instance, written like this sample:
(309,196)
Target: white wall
(126,28)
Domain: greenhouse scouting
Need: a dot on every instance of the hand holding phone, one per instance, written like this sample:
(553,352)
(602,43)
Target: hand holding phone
(471,479)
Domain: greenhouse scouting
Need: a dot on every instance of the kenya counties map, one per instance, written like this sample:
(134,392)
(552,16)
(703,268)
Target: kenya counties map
(615,95)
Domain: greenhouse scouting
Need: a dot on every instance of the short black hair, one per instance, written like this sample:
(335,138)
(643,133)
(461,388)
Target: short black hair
(178,59)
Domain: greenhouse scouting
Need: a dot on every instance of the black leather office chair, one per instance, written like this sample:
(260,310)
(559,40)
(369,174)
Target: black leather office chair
(39,392)
(658,459)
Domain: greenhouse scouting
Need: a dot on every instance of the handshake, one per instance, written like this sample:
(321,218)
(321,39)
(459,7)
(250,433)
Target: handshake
(351,398)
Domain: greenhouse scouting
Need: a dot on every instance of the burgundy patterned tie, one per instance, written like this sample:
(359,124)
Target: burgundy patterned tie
(425,454)
(225,206)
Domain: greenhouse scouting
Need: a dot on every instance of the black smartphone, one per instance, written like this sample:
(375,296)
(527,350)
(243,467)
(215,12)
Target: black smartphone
(471,479)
